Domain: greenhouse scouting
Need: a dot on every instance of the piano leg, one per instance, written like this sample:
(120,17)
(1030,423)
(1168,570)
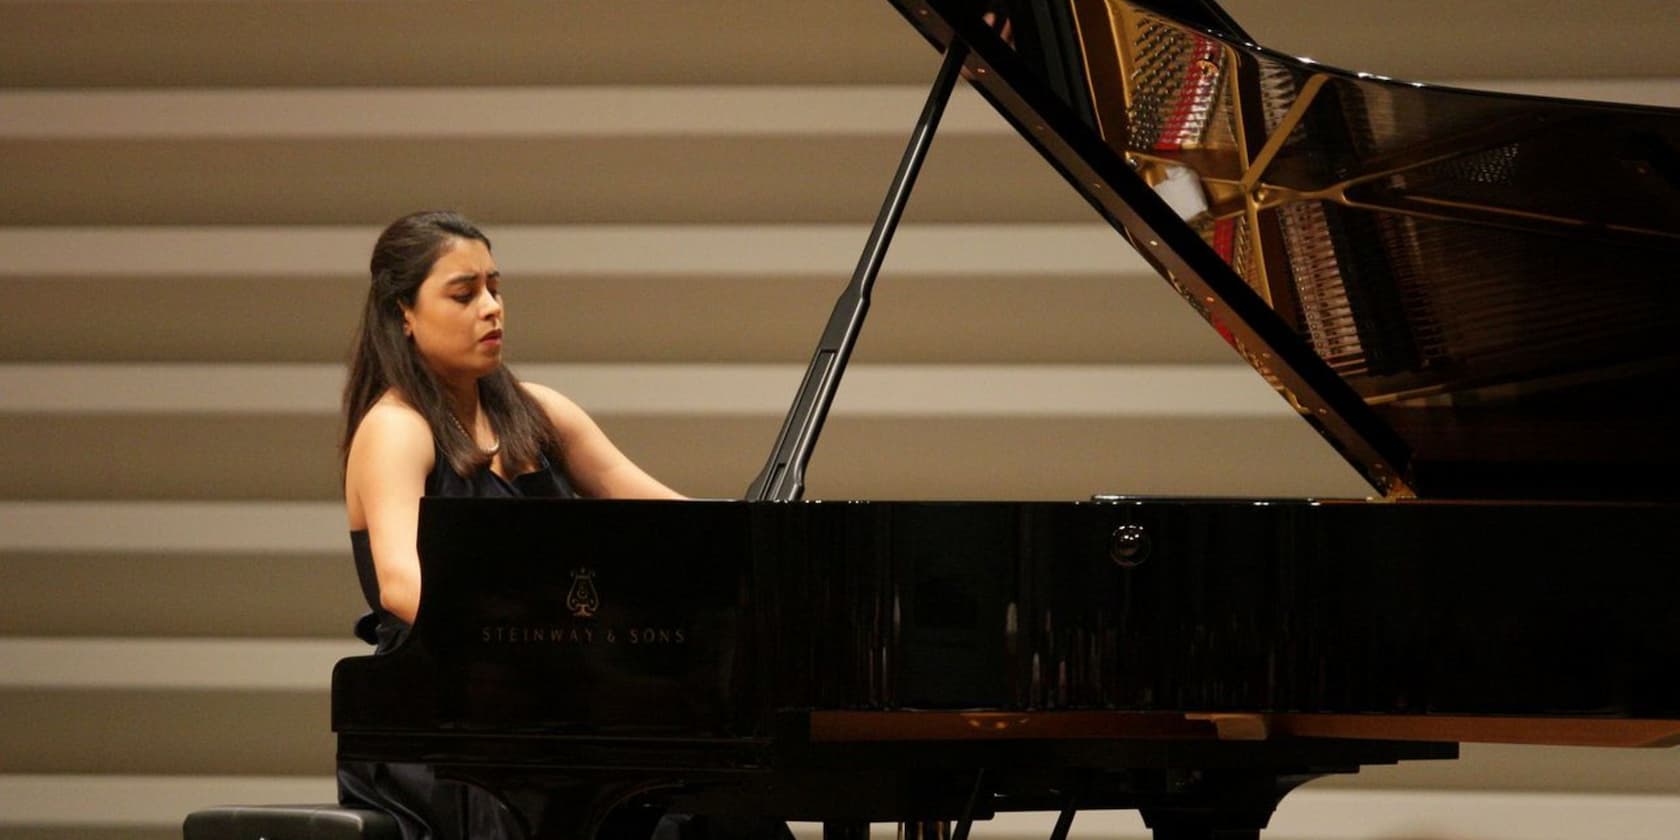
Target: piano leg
(845,830)
(1202,831)
(924,830)
(1232,805)
(1188,833)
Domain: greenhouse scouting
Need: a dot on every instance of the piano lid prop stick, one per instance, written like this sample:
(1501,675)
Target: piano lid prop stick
(783,477)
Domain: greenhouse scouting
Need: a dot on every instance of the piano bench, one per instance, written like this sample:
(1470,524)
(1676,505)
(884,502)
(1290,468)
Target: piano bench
(289,822)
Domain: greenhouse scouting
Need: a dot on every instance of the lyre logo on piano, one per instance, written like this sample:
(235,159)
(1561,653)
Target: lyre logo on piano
(582,599)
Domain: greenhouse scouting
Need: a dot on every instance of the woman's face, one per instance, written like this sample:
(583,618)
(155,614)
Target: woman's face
(457,318)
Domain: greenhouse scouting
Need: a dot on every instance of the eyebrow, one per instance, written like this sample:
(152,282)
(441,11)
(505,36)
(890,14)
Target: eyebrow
(467,278)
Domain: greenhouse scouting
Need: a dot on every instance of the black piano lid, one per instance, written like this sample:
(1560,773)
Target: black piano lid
(1470,295)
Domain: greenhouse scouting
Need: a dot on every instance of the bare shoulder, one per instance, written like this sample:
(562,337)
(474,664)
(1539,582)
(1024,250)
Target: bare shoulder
(390,455)
(543,394)
(392,427)
(559,408)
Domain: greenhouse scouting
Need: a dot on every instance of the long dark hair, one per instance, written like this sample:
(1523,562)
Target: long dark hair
(383,358)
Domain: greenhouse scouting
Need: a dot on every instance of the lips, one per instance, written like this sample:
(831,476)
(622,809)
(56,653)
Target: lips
(492,336)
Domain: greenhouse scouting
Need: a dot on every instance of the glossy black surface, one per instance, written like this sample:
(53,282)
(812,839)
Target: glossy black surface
(709,631)
(714,617)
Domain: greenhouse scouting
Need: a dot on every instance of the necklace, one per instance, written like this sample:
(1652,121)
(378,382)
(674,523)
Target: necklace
(494,447)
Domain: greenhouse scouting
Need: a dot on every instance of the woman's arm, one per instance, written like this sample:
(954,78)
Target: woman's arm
(592,462)
(390,457)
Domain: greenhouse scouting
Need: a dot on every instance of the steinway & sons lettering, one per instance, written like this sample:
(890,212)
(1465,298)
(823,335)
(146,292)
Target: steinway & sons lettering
(583,601)
(519,634)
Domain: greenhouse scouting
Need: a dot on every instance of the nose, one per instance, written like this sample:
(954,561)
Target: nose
(491,306)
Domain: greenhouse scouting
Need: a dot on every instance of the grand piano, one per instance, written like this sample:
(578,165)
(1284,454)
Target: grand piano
(1472,297)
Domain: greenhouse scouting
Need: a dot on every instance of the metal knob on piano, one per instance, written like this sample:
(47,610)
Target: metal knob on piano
(1129,546)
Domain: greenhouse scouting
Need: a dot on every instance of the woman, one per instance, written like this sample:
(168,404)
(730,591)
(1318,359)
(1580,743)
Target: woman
(430,410)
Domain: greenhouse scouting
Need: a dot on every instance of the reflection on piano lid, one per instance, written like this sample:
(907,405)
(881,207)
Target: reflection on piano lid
(1470,295)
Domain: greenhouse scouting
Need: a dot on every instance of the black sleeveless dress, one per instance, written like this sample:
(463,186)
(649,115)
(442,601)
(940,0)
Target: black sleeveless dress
(425,807)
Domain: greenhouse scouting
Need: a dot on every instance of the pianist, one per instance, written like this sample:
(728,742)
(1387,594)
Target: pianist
(430,409)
